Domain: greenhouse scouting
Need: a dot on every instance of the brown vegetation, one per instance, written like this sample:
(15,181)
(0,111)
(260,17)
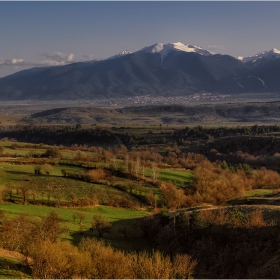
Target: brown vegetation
(215,185)
(49,258)
(101,224)
(93,260)
(226,243)
(173,198)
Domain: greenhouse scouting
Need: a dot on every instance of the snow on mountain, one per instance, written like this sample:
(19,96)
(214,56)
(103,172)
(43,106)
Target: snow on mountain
(261,80)
(164,49)
(272,54)
(123,53)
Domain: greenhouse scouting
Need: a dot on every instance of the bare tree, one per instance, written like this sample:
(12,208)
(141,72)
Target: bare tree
(81,216)
(58,194)
(126,162)
(49,189)
(155,172)
(143,172)
(1,150)
(3,191)
(24,190)
(151,199)
(183,266)
(10,193)
(42,195)
(72,196)
(137,165)
(33,192)
(51,228)
(38,169)
(101,224)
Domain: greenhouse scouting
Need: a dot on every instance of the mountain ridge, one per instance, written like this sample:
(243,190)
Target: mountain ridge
(159,70)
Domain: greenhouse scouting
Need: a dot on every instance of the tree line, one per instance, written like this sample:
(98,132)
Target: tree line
(232,242)
(47,257)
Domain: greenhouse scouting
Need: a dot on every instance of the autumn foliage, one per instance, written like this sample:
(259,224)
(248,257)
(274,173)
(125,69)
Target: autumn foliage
(215,185)
(94,260)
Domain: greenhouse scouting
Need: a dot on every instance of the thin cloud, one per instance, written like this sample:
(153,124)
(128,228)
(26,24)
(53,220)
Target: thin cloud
(59,56)
(52,59)
(22,62)
(13,61)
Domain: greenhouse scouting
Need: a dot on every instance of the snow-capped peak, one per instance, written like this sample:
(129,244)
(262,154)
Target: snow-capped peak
(274,53)
(123,53)
(164,49)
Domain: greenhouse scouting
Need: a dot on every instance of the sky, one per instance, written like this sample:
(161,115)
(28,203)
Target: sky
(36,34)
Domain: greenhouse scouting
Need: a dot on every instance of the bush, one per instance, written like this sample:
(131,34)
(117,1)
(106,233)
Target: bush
(47,168)
(38,169)
(52,152)
(95,175)
(101,224)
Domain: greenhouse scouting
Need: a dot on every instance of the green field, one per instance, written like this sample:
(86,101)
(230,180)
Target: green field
(13,173)
(96,169)
(113,214)
(179,177)
(119,217)
(258,192)
(12,269)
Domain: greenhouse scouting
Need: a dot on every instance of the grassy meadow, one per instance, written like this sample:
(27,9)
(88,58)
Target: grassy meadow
(11,268)
(74,231)
(16,170)
(179,177)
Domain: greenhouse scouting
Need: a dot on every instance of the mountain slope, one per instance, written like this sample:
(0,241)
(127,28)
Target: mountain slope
(267,55)
(159,70)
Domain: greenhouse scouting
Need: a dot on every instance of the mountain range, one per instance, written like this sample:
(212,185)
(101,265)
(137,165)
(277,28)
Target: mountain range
(173,69)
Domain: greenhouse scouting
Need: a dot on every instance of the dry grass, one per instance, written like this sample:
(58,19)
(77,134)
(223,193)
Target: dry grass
(11,254)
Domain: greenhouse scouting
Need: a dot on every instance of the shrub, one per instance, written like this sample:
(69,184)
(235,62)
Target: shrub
(52,152)
(38,169)
(47,168)
(101,224)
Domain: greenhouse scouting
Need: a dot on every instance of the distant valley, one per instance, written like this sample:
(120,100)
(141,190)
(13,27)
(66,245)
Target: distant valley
(147,115)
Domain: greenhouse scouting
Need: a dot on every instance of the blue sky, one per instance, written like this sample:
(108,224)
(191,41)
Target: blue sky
(54,33)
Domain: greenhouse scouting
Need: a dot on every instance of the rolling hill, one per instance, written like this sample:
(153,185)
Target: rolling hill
(268,113)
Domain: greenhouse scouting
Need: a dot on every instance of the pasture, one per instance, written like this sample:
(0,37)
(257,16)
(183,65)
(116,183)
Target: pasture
(120,218)
(11,268)
(179,177)
(258,193)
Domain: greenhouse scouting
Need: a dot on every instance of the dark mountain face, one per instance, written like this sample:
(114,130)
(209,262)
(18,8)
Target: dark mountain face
(269,73)
(178,73)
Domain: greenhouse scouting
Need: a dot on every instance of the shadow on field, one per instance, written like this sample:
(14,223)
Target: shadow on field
(125,235)
(17,172)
